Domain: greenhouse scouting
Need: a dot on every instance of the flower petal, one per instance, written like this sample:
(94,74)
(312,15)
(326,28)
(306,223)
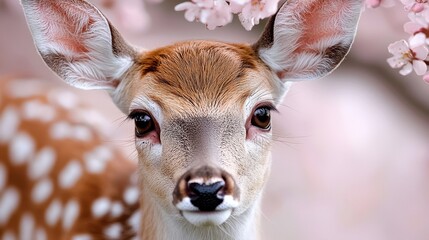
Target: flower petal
(417,40)
(412,27)
(396,62)
(420,67)
(398,47)
(407,69)
(421,52)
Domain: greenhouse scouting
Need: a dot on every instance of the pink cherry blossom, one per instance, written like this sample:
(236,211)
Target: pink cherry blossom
(255,10)
(408,59)
(378,3)
(418,40)
(417,24)
(415,5)
(212,13)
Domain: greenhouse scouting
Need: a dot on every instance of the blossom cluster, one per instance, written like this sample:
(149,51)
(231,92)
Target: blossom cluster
(216,13)
(413,53)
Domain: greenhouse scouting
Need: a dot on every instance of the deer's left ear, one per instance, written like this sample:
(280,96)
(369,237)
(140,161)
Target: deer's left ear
(309,39)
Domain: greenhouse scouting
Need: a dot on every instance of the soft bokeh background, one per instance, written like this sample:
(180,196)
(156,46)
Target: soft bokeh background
(351,157)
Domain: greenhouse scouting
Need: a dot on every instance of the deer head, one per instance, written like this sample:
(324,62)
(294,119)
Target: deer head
(201,109)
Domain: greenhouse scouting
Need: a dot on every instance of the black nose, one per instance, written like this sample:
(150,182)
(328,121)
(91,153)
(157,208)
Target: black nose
(206,197)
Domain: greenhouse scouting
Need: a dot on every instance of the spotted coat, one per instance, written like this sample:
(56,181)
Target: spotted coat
(58,178)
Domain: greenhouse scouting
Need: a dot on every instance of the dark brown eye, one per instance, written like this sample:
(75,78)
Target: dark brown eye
(143,122)
(262,118)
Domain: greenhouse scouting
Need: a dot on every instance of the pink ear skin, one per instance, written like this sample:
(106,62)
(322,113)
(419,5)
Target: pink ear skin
(309,39)
(78,43)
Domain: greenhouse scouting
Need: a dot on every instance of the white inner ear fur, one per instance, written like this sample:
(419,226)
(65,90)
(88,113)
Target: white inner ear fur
(294,59)
(78,39)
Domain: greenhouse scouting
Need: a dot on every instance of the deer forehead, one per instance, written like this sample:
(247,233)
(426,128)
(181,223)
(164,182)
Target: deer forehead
(199,78)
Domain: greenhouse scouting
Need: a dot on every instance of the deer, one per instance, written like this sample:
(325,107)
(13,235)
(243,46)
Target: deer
(201,109)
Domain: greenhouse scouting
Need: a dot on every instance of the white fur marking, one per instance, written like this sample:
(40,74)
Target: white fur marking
(100,207)
(82,133)
(113,231)
(21,148)
(70,174)
(134,221)
(8,236)
(64,99)
(95,161)
(64,130)
(42,190)
(71,212)
(26,227)
(9,122)
(131,195)
(36,110)
(228,203)
(53,213)
(82,237)
(41,234)
(186,205)
(117,209)
(9,201)
(25,88)
(215,218)
(42,163)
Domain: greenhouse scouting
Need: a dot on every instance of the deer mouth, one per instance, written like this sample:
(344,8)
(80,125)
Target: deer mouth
(202,217)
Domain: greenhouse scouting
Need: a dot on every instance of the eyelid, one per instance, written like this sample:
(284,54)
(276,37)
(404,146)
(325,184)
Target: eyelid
(267,105)
(135,113)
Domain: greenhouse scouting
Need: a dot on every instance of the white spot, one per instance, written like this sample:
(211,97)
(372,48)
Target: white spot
(70,174)
(8,236)
(9,201)
(21,148)
(82,133)
(3,176)
(42,190)
(60,130)
(42,163)
(92,118)
(134,221)
(113,231)
(117,209)
(95,161)
(53,213)
(41,234)
(64,130)
(9,122)
(26,227)
(131,195)
(64,99)
(36,110)
(82,237)
(25,88)
(100,207)
(71,212)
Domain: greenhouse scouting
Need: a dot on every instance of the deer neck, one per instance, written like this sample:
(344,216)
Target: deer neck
(156,223)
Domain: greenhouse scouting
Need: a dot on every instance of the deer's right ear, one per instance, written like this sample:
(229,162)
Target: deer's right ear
(78,43)
(308,39)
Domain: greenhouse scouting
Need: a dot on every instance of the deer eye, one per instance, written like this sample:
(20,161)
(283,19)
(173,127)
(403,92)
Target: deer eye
(144,123)
(262,118)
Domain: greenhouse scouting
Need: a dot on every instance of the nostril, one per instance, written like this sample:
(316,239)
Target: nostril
(206,197)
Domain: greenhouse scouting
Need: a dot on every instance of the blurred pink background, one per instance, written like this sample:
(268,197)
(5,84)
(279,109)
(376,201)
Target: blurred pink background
(351,156)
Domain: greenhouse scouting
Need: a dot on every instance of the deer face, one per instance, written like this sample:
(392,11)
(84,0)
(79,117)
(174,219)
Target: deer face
(201,108)
(203,130)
